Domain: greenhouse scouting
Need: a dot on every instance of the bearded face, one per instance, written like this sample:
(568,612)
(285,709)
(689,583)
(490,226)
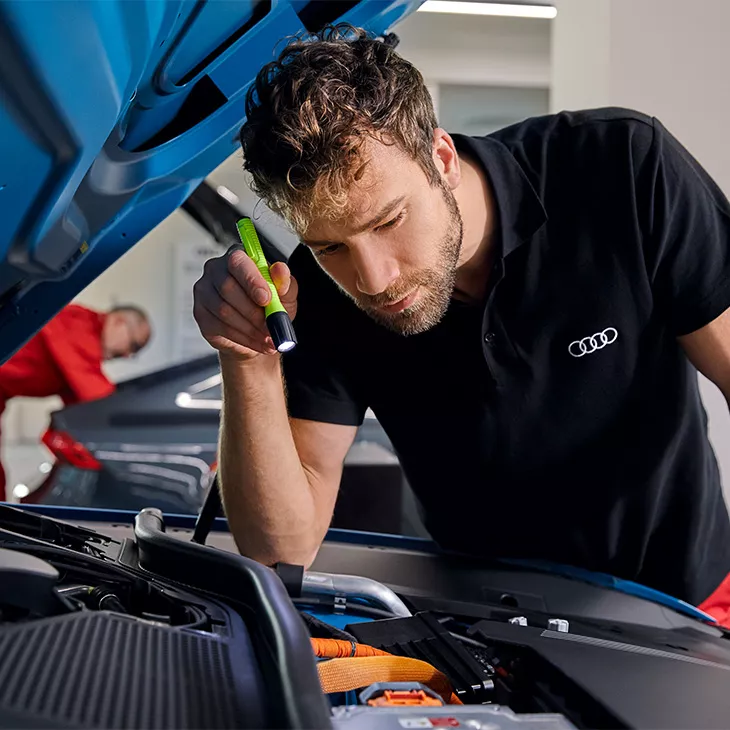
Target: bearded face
(396,253)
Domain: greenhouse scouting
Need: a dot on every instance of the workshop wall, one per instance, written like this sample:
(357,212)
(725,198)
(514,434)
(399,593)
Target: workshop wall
(670,63)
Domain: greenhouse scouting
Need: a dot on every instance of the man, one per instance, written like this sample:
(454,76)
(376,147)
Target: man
(65,358)
(523,312)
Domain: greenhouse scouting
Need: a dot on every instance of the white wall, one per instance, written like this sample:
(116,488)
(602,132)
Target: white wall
(145,276)
(666,58)
(580,54)
(484,50)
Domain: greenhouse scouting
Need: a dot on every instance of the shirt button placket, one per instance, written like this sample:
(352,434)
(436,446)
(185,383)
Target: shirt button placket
(489,338)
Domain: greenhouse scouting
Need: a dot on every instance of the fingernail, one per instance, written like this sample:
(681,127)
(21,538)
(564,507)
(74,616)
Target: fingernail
(261,296)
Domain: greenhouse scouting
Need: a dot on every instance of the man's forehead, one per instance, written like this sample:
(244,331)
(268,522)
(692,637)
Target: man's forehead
(376,161)
(383,175)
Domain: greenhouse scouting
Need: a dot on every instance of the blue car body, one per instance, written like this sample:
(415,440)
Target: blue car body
(112,113)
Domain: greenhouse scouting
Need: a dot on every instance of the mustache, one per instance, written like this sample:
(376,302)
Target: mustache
(395,293)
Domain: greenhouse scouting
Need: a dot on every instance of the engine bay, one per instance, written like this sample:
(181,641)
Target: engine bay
(155,631)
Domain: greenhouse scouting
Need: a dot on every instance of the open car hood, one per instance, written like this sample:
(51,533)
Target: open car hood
(111,113)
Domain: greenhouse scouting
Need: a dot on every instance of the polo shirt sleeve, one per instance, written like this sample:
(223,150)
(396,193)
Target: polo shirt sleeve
(321,384)
(688,241)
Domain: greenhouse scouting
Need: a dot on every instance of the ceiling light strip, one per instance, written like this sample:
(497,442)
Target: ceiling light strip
(504,10)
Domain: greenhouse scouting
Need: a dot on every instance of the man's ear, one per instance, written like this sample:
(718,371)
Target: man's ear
(446,158)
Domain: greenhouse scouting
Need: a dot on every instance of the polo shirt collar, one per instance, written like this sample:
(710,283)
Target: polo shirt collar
(521,211)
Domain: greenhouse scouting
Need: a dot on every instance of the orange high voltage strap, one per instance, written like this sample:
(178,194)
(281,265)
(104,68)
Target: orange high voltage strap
(335,649)
(343,675)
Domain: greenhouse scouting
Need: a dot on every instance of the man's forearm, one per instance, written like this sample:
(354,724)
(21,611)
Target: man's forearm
(266,494)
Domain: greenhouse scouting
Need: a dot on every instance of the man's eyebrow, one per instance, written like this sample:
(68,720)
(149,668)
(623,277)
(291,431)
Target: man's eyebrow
(382,213)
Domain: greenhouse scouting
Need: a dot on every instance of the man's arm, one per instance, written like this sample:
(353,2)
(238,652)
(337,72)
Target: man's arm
(687,251)
(279,478)
(709,351)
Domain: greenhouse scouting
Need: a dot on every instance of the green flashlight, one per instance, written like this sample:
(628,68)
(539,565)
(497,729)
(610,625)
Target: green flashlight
(277,319)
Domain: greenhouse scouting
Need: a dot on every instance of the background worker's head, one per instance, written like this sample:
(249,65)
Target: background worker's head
(341,139)
(126,331)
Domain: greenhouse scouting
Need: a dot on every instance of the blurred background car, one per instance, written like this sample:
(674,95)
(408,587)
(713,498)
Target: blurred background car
(153,443)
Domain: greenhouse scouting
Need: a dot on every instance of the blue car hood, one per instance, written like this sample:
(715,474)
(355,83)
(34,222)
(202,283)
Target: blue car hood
(111,114)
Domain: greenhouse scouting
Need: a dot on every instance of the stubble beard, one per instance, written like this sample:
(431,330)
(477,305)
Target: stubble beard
(435,285)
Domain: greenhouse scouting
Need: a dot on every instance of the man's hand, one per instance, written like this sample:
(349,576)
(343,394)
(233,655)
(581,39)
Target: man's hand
(229,300)
(709,351)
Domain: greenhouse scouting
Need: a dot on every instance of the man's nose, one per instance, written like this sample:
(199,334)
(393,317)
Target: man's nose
(375,271)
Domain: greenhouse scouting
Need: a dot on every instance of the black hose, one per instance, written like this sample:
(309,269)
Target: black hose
(109,602)
(199,618)
(321,630)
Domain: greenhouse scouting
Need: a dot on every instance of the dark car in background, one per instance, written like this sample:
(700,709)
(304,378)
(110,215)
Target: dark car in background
(153,443)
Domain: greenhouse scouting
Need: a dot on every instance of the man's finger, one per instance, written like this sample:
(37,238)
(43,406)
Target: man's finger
(245,272)
(281,276)
(231,293)
(213,328)
(284,282)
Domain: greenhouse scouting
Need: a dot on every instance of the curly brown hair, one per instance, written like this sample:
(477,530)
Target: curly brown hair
(309,112)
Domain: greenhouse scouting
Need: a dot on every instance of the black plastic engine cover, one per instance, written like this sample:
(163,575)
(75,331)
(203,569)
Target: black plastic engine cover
(105,670)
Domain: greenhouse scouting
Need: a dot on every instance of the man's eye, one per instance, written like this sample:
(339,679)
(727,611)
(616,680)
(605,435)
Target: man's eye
(392,222)
(327,250)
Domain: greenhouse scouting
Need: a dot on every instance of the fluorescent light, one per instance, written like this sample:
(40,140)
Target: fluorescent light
(20,491)
(229,195)
(505,10)
(182,400)
(45,467)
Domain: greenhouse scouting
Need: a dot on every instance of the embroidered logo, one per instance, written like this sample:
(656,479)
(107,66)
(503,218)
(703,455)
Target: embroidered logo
(591,344)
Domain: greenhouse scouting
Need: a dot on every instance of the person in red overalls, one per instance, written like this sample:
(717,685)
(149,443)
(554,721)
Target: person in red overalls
(65,357)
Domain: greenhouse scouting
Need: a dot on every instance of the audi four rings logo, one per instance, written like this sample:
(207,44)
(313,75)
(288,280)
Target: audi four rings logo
(587,345)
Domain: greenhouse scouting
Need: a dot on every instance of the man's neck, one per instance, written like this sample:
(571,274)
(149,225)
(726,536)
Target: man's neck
(478,212)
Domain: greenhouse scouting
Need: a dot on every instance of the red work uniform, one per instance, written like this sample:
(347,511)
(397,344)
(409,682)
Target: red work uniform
(64,359)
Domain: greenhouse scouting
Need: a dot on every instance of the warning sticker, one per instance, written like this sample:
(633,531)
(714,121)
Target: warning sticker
(443,722)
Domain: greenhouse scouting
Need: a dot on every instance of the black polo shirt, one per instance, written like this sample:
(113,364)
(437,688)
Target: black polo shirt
(559,419)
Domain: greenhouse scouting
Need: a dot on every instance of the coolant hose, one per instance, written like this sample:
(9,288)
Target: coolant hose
(353,586)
